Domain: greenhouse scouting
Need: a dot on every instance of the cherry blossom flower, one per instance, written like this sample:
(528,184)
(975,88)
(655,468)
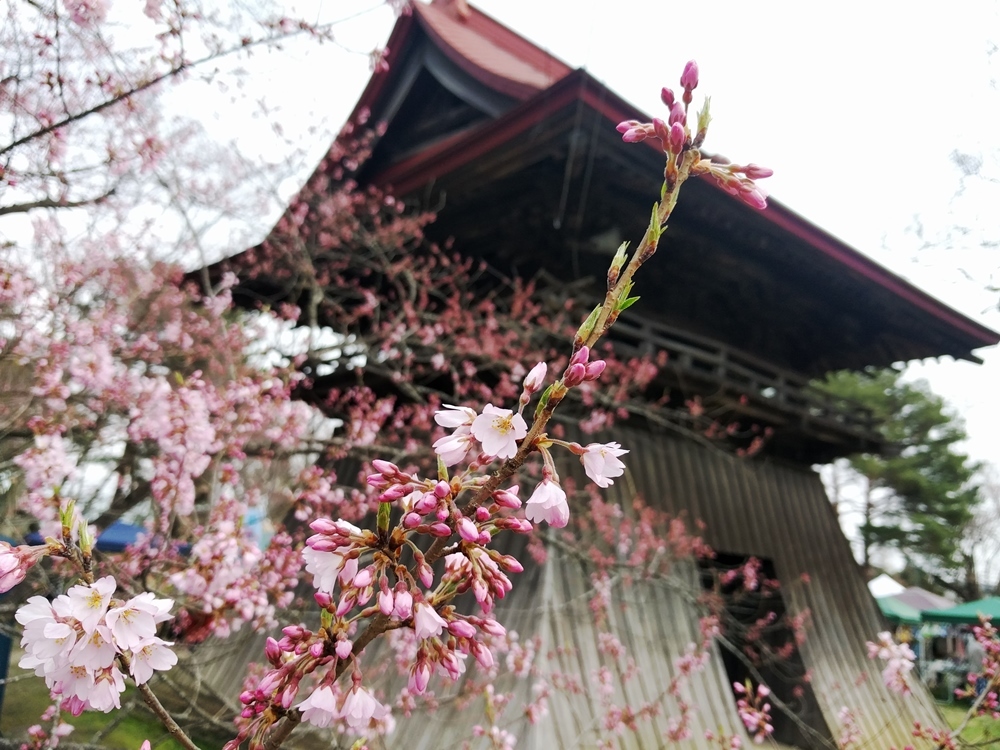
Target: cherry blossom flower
(151,655)
(320,708)
(455,447)
(105,694)
(88,603)
(78,663)
(360,709)
(547,503)
(135,621)
(427,623)
(95,651)
(499,430)
(601,462)
(327,567)
(454,417)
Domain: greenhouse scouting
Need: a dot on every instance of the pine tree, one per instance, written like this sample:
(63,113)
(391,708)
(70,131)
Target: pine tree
(919,495)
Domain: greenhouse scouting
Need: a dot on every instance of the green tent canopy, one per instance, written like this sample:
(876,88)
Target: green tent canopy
(897,612)
(967,613)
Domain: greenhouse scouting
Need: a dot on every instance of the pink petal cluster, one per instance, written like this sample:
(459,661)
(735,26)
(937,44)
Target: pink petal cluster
(74,643)
(755,711)
(898,658)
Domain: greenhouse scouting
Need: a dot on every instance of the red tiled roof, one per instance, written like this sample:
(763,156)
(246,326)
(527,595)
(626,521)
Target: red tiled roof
(488,50)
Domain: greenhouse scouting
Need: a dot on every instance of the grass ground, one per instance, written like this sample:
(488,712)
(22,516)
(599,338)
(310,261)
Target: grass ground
(27,698)
(980,731)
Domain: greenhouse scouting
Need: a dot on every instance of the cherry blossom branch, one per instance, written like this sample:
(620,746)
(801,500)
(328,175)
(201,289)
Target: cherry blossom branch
(16,208)
(157,79)
(165,717)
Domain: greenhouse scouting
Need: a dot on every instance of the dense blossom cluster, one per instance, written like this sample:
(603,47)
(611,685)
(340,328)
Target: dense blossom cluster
(79,641)
(754,710)
(898,658)
(93,368)
(984,679)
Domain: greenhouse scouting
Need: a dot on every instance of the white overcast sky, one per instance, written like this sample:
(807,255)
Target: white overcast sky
(857,106)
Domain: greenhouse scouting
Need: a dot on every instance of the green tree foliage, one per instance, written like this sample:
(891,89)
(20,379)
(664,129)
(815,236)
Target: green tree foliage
(920,494)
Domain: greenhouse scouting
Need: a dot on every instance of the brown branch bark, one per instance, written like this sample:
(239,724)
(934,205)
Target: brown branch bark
(20,208)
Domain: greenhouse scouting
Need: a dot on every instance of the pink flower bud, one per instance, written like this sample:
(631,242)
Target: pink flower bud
(377,481)
(667,97)
(393,494)
(661,130)
(636,135)
(677,114)
(757,172)
(411,520)
(440,529)
(426,574)
(675,141)
(272,651)
(323,526)
(323,599)
(365,594)
(386,601)
(364,578)
(345,529)
(461,629)
(427,503)
(507,498)
(483,655)
(755,198)
(316,650)
(343,648)
(594,369)
(323,544)
(467,530)
(581,357)
(442,514)
(269,682)
(480,591)
(442,489)
(482,514)
(403,606)
(420,675)
(534,380)
(492,627)
(511,563)
(288,694)
(485,538)
(574,375)
(689,78)
(385,467)
(346,604)
(625,126)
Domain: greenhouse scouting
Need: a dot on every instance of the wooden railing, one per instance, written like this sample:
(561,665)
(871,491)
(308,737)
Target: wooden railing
(699,362)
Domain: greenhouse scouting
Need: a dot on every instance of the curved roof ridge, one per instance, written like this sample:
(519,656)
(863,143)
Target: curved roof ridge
(489,51)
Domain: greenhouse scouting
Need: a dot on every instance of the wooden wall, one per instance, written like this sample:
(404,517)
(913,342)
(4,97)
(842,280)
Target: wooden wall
(753,507)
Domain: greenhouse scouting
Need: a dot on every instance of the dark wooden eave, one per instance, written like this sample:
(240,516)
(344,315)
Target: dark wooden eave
(552,170)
